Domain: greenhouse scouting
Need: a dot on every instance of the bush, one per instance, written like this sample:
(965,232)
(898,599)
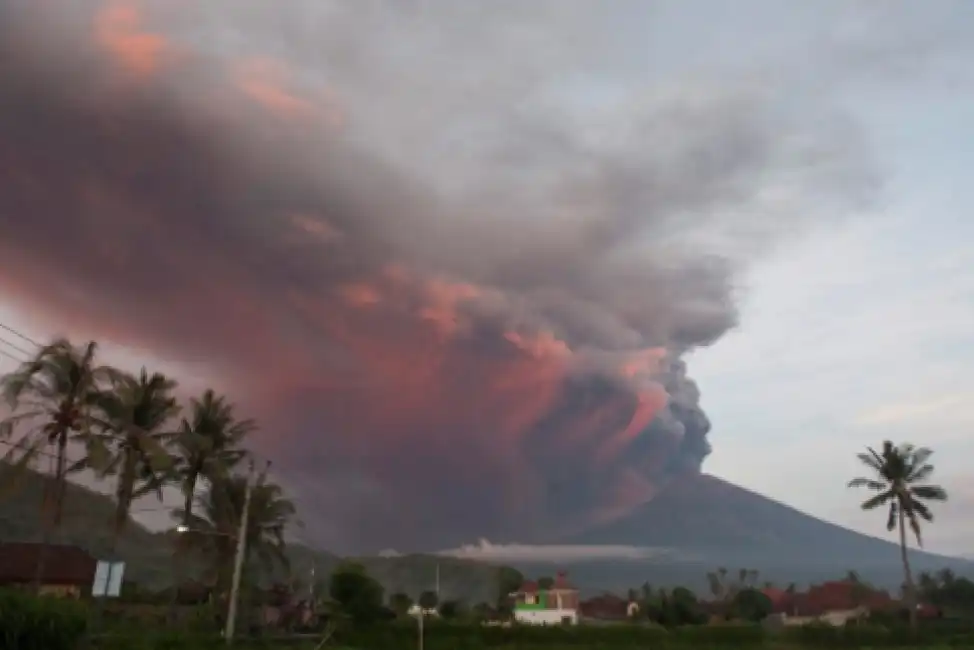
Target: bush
(741,636)
(870,635)
(31,623)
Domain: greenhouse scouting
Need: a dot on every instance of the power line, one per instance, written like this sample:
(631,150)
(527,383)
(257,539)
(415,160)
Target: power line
(19,335)
(14,346)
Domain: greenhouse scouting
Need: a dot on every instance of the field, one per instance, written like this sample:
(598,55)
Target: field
(400,636)
(28,623)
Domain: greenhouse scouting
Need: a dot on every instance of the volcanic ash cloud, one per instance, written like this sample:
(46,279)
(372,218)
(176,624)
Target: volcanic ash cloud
(459,309)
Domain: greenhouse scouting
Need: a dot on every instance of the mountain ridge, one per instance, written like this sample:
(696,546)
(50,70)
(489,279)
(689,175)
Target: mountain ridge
(148,554)
(708,522)
(706,513)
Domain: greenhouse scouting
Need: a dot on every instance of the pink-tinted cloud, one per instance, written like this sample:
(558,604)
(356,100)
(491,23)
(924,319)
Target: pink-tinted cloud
(121,31)
(429,364)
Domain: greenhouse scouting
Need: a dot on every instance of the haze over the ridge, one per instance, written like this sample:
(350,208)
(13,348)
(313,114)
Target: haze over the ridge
(450,254)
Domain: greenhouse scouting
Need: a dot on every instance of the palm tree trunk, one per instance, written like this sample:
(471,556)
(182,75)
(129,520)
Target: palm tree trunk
(188,501)
(60,478)
(47,520)
(908,574)
(52,508)
(123,503)
(179,547)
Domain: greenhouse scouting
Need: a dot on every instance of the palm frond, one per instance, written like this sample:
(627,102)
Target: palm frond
(928,492)
(871,460)
(869,483)
(920,473)
(915,527)
(899,468)
(921,509)
(919,457)
(880,499)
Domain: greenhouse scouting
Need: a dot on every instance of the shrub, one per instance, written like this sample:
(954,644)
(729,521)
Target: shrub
(45,623)
(743,636)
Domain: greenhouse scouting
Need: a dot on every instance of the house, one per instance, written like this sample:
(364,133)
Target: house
(69,571)
(835,603)
(415,610)
(556,605)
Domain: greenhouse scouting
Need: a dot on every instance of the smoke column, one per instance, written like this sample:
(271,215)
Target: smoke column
(457,294)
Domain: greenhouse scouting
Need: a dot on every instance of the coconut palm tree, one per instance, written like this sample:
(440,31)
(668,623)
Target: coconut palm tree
(54,397)
(898,475)
(214,531)
(208,445)
(134,417)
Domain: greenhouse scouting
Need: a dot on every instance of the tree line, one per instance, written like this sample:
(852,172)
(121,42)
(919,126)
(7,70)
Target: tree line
(132,430)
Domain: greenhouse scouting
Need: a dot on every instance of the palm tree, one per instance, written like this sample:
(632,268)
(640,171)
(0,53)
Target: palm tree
(724,589)
(898,473)
(134,417)
(215,530)
(54,395)
(208,445)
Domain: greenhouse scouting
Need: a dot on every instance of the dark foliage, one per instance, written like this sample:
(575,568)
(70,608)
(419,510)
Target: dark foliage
(32,623)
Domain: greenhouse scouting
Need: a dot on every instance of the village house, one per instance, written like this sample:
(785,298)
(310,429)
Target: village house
(557,605)
(69,571)
(834,603)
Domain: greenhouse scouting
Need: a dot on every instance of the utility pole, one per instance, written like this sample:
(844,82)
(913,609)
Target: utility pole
(422,615)
(311,581)
(239,559)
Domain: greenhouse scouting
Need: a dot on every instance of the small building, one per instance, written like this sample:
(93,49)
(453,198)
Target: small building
(415,610)
(69,571)
(556,605)
(834,603)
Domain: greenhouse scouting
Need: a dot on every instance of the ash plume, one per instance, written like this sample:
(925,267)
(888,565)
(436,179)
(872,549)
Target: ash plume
(456,293)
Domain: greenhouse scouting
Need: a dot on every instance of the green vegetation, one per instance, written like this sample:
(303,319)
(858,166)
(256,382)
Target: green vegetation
(40,623)
(898,475)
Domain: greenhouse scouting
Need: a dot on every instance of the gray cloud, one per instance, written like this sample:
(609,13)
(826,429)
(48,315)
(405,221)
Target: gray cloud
(202,201)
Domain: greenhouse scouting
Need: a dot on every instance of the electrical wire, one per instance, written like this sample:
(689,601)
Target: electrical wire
(19,335)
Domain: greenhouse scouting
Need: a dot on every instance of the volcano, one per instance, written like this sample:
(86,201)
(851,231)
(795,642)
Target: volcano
(700,522)
(701,514)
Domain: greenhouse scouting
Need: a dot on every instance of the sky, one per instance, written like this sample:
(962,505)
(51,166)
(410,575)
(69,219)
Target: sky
(501,271)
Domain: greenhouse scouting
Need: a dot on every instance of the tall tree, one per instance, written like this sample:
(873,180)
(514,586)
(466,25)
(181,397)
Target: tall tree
(898,478)
(135,415)
(54,397)
(208,445)
(214,531)
(356,593)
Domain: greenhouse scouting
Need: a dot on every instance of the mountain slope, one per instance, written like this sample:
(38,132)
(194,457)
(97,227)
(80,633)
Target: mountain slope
(708,522)
(148,555)
(86,523)
(704,513)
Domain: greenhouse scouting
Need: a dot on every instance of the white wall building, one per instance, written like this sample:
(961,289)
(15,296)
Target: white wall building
(557,605)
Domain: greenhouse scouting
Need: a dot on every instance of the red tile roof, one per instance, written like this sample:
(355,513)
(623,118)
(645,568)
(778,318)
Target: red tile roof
(826,597)
(528,587)
(63,565)
(779,598)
